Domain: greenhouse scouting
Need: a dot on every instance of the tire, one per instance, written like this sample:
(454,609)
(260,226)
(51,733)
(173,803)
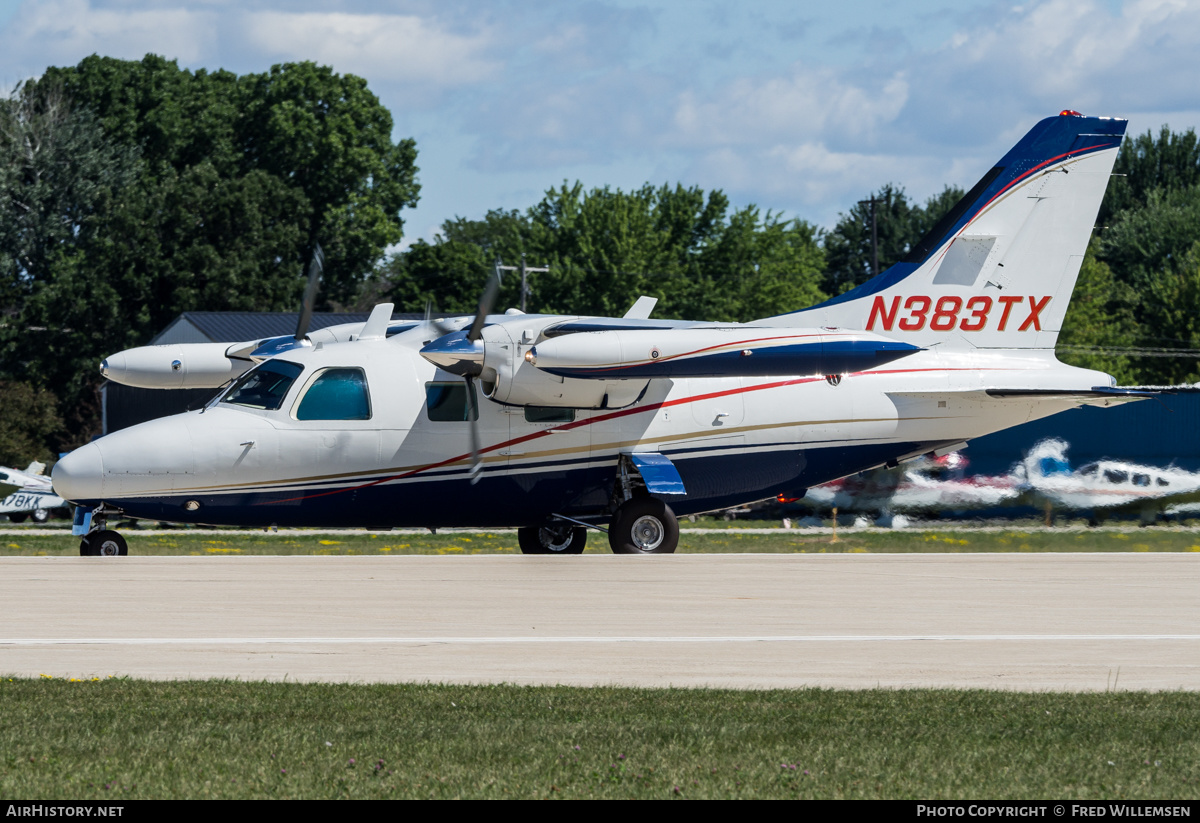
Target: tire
(18,518)
(40,515)
(644,525)
(552,539)
(106,543)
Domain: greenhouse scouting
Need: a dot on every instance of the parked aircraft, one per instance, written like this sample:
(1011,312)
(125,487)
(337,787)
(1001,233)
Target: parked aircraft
(28,494)
(923,485)
(555,424)
(1114,485)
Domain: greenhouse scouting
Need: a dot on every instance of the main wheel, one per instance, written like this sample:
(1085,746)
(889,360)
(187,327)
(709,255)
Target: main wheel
(40,515)
(104,543)
(556,538)
(644,525)
(18,518)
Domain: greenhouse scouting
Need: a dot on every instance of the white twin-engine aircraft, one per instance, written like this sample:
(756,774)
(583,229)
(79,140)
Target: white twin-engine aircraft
(556,424)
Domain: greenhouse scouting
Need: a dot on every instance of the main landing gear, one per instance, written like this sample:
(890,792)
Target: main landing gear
(553,537)
(643,525)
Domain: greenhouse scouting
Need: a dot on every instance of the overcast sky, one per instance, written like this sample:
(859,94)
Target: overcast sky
(798,107)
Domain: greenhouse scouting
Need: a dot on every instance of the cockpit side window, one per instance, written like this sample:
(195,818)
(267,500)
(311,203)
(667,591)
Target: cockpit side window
(447,402)
(336,394)
(264,387)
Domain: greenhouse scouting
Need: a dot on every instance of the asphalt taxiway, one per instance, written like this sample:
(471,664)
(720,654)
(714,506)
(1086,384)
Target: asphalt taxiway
(1006,621)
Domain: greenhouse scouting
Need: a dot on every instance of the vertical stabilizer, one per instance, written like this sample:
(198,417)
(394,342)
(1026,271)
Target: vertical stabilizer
(998,270)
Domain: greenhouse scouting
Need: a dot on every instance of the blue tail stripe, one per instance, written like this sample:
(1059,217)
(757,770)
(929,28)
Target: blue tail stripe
(1050,140)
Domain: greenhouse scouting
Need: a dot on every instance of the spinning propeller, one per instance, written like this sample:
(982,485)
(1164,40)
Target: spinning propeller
(315,267)
(462,353)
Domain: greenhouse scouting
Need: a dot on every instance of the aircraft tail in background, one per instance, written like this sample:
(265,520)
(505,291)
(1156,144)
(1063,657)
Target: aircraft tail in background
(998,270)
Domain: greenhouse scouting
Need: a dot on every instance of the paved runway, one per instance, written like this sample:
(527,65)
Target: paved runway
(1006,621)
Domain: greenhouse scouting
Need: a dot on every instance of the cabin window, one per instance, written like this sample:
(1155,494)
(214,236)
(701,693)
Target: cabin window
(1160,481)
(447,402)
(1141,480)
(1089,470)
(1113,476)
(545,414)
(336,394)
(264,387)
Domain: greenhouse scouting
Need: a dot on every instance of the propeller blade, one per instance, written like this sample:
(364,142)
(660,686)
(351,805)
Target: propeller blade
(315,267)
(439,327)
(486,301)
(473,420)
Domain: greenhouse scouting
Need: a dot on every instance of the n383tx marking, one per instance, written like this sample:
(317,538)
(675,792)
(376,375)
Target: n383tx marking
(949,312)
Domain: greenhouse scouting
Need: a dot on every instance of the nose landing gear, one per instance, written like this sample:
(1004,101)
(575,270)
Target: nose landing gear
(103,543)
(98,541)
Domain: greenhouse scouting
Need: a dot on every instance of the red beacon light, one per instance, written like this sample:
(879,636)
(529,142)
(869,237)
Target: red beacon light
(1069,113)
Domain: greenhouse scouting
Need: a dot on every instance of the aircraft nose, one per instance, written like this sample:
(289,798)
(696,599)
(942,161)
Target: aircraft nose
(80,475)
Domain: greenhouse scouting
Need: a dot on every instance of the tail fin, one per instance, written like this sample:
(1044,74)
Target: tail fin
(998,270)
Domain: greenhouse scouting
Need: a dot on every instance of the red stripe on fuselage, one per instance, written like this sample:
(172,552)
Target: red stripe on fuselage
(600,419)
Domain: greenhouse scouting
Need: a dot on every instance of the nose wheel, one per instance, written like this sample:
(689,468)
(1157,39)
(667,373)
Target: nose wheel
(103,543)
(644,525)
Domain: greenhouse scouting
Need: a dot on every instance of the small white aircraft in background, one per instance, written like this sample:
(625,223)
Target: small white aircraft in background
(1114,485)
(927,484)
(555,424)
(28,494)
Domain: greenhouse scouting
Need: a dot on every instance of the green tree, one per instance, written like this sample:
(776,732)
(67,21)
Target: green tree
(322,135)
(1145,241)
(604,247)
(1099,318)
(899,225)
(29,424)
(1147,163)
(133,191)
(1173,309)
(60,178)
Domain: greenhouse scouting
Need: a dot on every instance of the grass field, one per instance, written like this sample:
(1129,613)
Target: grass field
(117,739)
(1031,539)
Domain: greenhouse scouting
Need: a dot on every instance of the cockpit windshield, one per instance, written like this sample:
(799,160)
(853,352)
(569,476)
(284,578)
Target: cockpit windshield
(264,387)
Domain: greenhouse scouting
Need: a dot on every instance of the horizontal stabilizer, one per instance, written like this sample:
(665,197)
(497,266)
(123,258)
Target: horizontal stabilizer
(1098,392)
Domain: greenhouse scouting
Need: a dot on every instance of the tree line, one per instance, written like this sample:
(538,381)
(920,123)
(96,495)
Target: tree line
(132,191)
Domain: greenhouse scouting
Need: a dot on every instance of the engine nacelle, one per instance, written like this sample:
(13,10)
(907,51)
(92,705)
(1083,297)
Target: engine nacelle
(639,354)
(507,377)
(177,366)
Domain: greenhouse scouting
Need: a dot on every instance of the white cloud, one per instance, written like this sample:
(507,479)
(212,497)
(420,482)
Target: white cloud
(65,31)
(390,48)
(803,104)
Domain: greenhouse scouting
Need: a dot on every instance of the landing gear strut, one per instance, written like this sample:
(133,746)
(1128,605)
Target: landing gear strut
(644,525)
